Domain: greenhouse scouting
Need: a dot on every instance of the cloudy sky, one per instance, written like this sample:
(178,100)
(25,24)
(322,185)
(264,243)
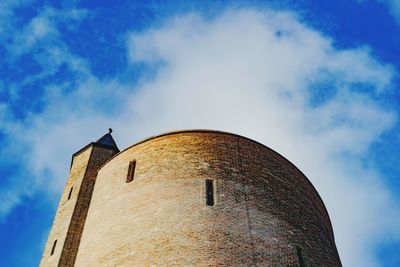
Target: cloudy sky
(317,81)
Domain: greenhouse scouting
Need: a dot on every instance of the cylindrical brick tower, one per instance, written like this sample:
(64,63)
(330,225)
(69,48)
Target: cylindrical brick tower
(204,198)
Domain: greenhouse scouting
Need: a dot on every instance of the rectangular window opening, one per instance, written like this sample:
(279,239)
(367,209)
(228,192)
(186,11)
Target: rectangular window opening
(131,171)
(70,193)
(300,256)
(54,247)
(210,192)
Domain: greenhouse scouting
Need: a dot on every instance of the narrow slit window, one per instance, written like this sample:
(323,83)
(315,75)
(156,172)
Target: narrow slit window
(210,192)
(70,193)
(131,171)
(54,247)
(300,256)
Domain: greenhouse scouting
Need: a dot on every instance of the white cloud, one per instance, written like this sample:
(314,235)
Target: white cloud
(252,73)
(394,8)
(41,39)
(238,74)
(42,29)
(38,29)
(7,17)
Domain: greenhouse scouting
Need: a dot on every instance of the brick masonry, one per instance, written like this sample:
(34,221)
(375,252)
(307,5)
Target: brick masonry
(72,210)
(265,209)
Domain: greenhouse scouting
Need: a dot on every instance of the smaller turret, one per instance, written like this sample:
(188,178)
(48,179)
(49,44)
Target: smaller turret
(64,238)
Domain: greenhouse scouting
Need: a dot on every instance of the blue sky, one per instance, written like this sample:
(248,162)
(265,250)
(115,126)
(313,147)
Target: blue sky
(318,81)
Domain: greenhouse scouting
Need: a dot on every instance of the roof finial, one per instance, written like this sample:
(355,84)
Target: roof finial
(109,130)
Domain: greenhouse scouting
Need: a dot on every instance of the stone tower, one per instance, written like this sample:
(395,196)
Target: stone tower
(63,241)
(189,198)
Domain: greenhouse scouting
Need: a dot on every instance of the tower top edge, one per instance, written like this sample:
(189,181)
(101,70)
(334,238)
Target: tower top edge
(175,132)
(211,131)
(182,131)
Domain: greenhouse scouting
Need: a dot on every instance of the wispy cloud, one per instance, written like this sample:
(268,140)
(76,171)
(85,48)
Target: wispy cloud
(250,72)
(42,30)
(7,8)
(394,8)
(40,39)
(253,73)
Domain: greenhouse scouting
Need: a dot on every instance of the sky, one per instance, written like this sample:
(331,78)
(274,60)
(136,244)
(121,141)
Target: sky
(317,81)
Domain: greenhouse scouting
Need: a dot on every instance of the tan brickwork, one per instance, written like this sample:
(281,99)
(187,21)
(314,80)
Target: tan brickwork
(65,209)
(264,207)
(71,213)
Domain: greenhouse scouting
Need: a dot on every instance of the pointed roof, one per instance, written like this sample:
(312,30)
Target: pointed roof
(107,140)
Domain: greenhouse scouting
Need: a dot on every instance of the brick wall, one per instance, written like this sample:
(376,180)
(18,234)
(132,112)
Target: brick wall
(264,207)
(71,214)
